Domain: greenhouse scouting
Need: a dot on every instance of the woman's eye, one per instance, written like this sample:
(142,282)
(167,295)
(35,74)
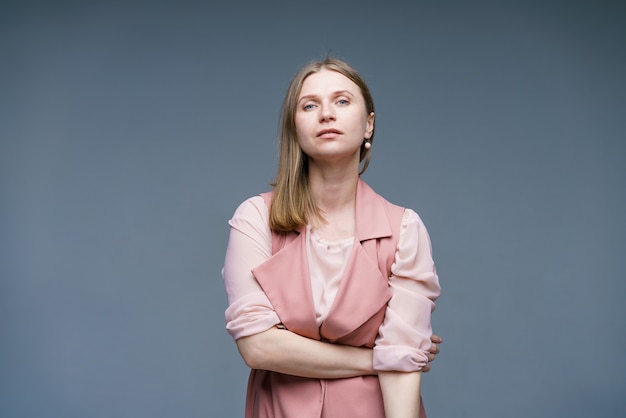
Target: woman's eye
(307,106)
(342,102)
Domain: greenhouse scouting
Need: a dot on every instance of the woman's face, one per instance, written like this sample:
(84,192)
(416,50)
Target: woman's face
(331,118)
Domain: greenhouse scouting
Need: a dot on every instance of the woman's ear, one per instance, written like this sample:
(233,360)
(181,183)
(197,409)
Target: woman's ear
(369,126)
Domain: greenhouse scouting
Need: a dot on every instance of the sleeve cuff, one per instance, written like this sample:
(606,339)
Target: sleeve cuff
(249,316)
(399,358)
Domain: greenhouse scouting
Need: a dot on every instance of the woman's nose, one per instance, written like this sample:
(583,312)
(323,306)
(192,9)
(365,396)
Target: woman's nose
(326,113)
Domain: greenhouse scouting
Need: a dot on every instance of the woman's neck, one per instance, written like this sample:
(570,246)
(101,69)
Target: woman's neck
(333,190)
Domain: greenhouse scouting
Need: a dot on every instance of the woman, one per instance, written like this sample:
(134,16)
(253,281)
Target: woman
(330,287)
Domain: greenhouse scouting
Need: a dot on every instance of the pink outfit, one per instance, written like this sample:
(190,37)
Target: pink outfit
(377,290)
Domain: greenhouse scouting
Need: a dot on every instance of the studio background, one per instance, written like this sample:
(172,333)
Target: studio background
(130,131)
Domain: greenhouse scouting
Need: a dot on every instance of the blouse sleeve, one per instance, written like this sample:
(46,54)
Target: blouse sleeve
(403,340)
(250,244)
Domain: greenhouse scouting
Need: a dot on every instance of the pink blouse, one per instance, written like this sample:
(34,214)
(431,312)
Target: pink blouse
(404,337)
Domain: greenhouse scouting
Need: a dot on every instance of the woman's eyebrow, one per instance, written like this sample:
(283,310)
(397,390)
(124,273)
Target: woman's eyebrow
(307,97)
(343,93)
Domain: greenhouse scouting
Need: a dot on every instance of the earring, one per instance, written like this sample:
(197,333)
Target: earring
(367,144)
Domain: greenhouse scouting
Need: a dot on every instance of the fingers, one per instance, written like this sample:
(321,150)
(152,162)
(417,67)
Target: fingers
(434,350)
(432,353)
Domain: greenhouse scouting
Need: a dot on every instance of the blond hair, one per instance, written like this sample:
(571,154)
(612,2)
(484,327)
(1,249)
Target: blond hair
(292,203)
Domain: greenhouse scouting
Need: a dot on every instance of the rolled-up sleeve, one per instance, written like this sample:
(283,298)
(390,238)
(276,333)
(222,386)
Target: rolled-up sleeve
(403,341)
(250,244)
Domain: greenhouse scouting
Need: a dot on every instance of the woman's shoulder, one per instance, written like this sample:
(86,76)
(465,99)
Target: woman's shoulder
(253,209)
(412,230)
(410,217)
(412,224)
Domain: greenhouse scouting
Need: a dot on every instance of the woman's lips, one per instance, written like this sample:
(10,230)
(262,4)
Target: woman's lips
(328,133)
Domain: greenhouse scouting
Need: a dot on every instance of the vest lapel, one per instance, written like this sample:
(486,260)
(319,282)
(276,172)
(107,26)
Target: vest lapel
(362,293)
(285,280)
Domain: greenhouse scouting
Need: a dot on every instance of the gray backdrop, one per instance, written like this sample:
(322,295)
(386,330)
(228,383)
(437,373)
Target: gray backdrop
(130,131)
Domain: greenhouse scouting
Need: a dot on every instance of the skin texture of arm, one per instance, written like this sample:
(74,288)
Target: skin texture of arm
(401,393)
(285,352)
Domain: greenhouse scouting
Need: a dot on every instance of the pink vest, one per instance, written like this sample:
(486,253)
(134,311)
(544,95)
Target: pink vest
(353,319)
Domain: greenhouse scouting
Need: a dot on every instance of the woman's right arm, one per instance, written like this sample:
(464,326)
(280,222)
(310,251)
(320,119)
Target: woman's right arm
(283,351)
(252,321)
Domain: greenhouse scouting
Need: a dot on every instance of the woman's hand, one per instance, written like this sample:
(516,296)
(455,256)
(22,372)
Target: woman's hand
(434,350)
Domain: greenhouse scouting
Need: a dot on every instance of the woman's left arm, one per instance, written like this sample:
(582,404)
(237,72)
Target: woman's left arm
(402,347)
(401,393)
